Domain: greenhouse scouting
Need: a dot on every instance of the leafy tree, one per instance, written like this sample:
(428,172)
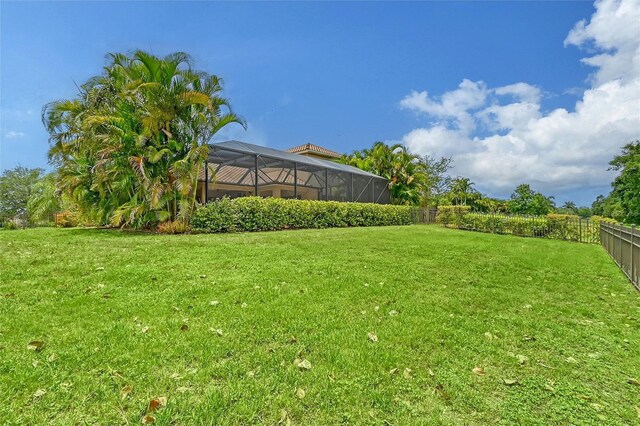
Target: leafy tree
(16,187)
(44,200)
(405,171)
(491,205)
(525,200)
(462,192)
(437,183)
(130,146)
(625,196)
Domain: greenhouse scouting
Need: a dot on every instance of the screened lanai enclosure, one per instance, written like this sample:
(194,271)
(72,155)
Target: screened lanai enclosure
(238,169)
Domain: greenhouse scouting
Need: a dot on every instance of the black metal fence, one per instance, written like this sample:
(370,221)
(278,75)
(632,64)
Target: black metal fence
(623,245)
(557,227)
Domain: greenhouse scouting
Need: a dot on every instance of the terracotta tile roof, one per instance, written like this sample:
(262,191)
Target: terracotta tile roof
(314,149)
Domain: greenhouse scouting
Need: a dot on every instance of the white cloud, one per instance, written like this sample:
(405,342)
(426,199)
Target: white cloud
(499,137)
(12,134)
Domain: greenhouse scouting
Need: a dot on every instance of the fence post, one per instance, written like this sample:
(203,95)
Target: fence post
(632,274)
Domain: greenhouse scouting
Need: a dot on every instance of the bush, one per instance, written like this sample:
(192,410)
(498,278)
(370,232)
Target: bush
(270,214)
(66,219)
(555,226)
(451,215)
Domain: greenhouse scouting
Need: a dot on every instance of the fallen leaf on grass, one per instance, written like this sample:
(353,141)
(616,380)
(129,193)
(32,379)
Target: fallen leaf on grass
(550,388)
(393,313)
(284,418)
(522,359)
(100,268)
(144,329)
(39,393)
(638,411)
(300,393)
(214,303)
(372,336)
(510,382)
(479,371)
(156,403)
(303,364)
(571,360)
(147,419)
(431,373)
(633,381)
(407,373)
(35,345)
(184,327)
(393,371)
(125,391)
(203,276)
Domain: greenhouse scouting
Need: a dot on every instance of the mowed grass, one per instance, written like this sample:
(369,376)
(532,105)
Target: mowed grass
(128,317)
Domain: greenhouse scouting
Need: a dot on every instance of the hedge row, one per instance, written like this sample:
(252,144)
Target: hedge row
(270,214)
(554,226)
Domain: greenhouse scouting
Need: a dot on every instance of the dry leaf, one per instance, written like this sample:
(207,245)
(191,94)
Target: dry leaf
(156,403)
(184,327)
(147,419)
(393,371)
(633,381)
(407,373)
(244,305)
(300,393)
(35,345)
(100,268)
(510,382)
(549,387)
(431,373)
(203,276)
(304,364)
(479,371)
(571,360)
(214,303)
(219,332)
(522,359)
(39,393)
(125,391)
(393,313)
(372,336)
(144,329)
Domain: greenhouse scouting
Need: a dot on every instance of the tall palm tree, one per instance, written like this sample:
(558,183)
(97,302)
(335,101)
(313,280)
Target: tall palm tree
(132,144)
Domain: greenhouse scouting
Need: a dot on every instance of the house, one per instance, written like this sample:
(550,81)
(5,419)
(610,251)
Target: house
(240,169)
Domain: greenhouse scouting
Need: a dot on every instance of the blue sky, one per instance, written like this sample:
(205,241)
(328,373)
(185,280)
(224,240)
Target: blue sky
(341,75)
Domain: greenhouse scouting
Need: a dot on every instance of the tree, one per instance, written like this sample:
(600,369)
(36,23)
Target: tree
(407,173)
(129,148)
(44,201)
(524,200)
(462,192)
(625,196)
(437,183)
(16,186)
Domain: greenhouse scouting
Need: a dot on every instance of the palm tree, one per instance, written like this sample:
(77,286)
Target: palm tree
(130,147)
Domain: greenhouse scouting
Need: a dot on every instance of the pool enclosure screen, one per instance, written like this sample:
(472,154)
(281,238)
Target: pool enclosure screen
(238,169)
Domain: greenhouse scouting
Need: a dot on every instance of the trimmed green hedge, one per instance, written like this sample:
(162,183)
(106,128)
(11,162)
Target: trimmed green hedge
(554,226)
(270,214)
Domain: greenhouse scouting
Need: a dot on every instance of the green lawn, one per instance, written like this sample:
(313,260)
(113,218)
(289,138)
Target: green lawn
(127,318)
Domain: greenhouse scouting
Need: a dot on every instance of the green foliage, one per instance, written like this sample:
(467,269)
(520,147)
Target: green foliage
(16,187)
(462,192)
(413,180)
(525,200)
(44,201)
(130,146)
(452,215)
(270,214)
(625,197)
(554,226)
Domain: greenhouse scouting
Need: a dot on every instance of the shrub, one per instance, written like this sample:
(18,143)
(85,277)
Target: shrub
(173,227)
(66,219)
(270,214)
(451,215)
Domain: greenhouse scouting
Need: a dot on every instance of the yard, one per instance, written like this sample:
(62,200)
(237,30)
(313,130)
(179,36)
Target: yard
(389,325)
